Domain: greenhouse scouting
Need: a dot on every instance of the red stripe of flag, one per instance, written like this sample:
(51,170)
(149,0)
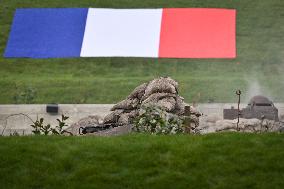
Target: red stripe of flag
(198,33)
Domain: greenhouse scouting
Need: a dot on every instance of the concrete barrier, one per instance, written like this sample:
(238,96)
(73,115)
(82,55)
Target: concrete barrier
(13,119)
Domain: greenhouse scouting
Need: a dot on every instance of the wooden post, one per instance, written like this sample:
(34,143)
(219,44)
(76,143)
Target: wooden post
(187,119)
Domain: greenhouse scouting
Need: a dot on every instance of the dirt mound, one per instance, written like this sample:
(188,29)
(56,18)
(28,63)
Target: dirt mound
(162,92)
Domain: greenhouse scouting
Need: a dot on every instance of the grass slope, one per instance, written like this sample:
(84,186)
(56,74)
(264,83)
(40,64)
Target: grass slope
(260,41)
(228,160)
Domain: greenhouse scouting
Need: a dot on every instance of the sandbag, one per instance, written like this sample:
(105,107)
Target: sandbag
(160,85)
(160,92)
(127,104)
(167,103)
(112,117)
(138,92)
(180,104)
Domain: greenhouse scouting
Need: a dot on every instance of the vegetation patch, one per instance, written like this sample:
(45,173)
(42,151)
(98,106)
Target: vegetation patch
(260,28)
(227,160)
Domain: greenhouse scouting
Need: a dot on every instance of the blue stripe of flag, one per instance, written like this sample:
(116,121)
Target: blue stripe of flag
(47,33)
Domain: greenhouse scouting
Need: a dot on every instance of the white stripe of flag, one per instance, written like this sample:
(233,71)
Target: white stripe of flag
(122,32)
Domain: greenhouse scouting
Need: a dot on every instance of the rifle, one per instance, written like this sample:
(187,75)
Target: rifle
(97,128)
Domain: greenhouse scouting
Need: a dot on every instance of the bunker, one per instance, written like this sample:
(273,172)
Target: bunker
(259,107)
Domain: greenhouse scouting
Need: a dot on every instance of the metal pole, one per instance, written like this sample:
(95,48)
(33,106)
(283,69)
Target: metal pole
(238,92)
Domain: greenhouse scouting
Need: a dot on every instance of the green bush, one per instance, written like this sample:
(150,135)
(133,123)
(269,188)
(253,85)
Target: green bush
(156,120)
(40,129)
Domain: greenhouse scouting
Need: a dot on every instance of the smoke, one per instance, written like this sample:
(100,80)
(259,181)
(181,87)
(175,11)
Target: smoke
(254,88)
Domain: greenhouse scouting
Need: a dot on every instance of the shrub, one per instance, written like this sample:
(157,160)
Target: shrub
(40,129)
(59,129)
(155,120)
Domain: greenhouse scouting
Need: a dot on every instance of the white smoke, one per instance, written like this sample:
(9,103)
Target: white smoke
(255,88)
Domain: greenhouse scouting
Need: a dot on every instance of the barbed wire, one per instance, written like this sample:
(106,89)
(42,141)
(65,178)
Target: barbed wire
(5,120)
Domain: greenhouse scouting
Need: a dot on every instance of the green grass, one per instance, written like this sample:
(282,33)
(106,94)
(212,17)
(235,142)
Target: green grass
(260,41)
(228,160)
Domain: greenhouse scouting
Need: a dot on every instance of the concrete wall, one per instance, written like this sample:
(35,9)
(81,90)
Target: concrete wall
(10,119)
(21,123)
(217,108)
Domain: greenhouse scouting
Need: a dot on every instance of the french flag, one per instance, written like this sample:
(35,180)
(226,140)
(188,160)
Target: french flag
(99,32)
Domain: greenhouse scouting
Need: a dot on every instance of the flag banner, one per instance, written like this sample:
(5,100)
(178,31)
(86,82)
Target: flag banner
(122,32)
(198,33)
(100,32)
(47,33)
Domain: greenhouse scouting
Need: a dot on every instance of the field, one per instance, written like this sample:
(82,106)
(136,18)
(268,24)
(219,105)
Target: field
(258,68)
(228,160)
